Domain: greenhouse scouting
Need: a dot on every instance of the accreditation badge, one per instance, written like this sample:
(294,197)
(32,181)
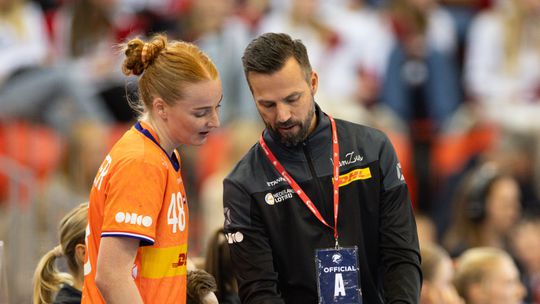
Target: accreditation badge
(338,276)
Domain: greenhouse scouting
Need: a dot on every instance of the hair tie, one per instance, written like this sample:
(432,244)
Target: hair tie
(144,52)
(58,252)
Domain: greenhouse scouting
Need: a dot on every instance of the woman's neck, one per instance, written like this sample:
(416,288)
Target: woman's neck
(489,237)
(78,283)
(159,129)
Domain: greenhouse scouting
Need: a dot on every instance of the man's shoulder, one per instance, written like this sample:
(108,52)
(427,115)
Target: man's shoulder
(361,132)
(244,170)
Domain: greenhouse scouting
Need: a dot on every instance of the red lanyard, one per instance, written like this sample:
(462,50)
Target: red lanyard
(298,190)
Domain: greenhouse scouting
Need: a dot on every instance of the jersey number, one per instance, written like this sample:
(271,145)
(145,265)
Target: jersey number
(176,215)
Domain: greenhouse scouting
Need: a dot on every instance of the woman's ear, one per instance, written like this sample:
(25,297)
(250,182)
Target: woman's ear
(80,250)
(159,108)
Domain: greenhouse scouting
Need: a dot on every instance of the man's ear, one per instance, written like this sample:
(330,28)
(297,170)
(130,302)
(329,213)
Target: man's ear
(80,250)
(314,82)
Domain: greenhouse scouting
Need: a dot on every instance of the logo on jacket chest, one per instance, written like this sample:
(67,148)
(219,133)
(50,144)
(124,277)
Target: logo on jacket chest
(350,158)
(278,197)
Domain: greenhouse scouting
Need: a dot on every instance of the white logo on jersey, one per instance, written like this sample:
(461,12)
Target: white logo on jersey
(103,169)
(236,237)
(176,214)
(133,219)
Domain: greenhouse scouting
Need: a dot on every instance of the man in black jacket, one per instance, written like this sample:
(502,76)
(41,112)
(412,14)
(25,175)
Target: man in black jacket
(316,201)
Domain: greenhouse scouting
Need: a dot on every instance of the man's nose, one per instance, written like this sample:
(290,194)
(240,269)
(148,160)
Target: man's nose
(283,113)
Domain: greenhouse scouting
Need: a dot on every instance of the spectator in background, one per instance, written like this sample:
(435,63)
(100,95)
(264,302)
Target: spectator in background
(438,272)
(486,208)
(212,26)
(502,64)
(526,248)
(65,288)
(427,232)
(306,20)
(421,82)
(71,181)
(201,287)
(85,35)
(55,95)
(218,263)
(488,275)
(360,56)
(23,39)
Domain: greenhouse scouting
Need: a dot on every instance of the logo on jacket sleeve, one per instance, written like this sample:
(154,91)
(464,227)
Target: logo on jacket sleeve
(400,172)
(234,237)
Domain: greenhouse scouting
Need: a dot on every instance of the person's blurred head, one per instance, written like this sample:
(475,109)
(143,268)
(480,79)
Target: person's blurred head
(492,198)
(283,85)
(209,16)
(304,10)
(427,232)
(436,264)
(488,276)
(47,278)
(438,271)
(179,87)
(526,244)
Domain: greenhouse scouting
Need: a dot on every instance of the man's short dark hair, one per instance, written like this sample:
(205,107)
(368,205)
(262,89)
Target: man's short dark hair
(268,53)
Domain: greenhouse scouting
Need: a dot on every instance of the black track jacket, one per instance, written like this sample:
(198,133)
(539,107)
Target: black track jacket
(273,236)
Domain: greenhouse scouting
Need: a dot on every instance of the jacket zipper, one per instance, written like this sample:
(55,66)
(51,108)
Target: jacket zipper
(317,180)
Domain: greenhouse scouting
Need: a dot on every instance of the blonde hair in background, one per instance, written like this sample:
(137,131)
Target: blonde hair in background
(432,257)
(474,266)
(517,21)
(47,278)
(164,68)
(11,12)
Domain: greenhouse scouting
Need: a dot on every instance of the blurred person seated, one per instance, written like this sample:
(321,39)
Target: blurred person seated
(201,287)
(427,232)
(72,180)
(52,286)
(438,272)
(486,208)
(488,276)
(23,38)
(29,88)
(526,248)
(421,80)
(218,263)
(213,27)
(502,63)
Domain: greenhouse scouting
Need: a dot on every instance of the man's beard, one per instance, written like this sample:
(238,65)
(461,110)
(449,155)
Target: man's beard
(293,139)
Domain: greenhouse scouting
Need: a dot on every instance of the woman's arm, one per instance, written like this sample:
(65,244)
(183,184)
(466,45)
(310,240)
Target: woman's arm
(114,266)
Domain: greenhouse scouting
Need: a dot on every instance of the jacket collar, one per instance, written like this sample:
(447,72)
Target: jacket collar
(317,142)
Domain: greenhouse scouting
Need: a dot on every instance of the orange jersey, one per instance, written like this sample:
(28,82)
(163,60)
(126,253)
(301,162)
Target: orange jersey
(138,193)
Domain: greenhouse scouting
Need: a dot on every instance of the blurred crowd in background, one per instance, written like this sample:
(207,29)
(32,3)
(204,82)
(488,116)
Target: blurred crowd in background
(454,83)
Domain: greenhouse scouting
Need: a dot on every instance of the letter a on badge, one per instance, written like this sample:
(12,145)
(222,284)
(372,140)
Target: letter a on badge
(339,287)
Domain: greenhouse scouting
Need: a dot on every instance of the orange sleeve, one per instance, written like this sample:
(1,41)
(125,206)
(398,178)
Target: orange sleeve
(134,200)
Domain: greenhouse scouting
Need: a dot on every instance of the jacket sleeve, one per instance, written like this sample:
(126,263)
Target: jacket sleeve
(251,254)
(399,250)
